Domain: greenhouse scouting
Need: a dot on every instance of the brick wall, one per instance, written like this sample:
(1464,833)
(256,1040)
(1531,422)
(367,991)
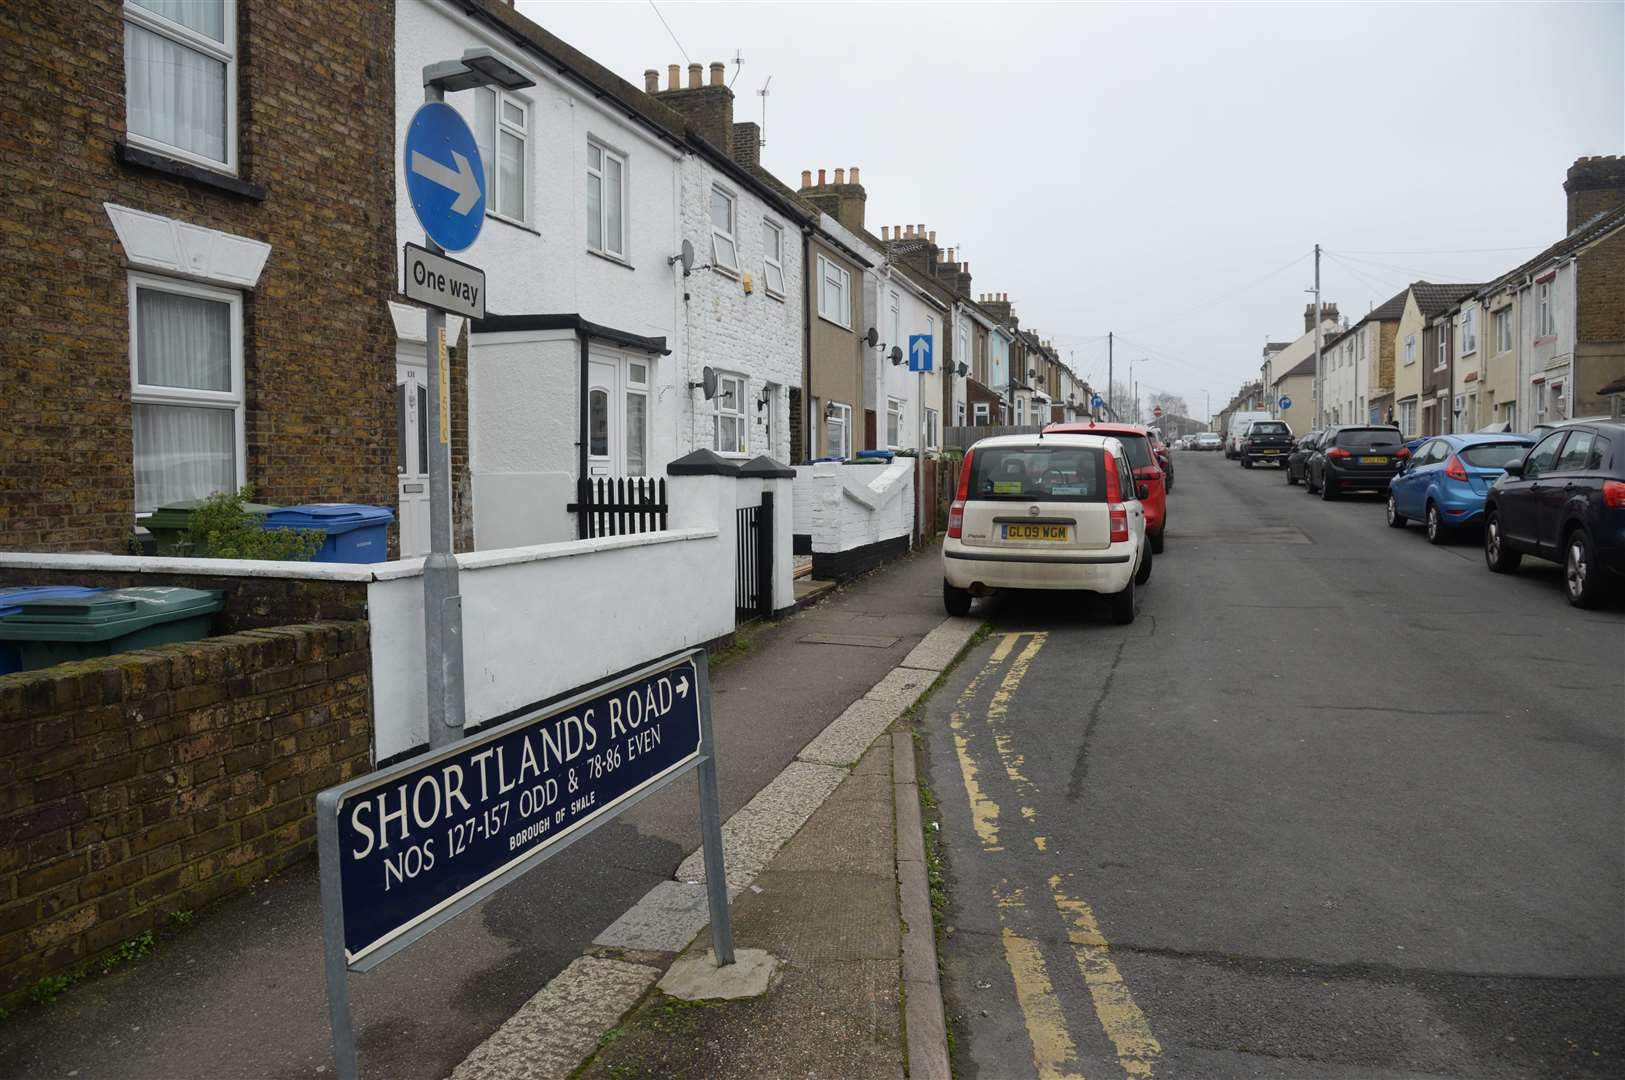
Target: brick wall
(156,781)
(315,129)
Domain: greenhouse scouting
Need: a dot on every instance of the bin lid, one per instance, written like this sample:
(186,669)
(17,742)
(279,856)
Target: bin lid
(12,597)
(106,614)
(178,515)
(329,517)
(882,455)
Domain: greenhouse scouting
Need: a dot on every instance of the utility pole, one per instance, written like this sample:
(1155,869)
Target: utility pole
(1319,388)
(1108,373)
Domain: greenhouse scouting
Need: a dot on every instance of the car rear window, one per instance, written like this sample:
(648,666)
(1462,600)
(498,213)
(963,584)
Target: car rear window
(1050,473)
(1268,429)
(1493,455)
(1138,449)
(1365,438)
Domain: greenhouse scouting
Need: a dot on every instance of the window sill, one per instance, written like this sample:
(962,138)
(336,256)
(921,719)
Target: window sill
(825,318)
(622,263)
(771,295)
(726,271)
(181,170)
(1547,340)
(512,223)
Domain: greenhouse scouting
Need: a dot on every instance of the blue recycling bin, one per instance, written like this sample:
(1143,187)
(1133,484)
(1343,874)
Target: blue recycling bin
(355,533)
(12,599)
(885,456)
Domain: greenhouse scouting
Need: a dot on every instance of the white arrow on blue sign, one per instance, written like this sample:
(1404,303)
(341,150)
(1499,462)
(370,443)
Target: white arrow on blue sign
(1098,401)
(445,179)
(919,352)
(1286,402)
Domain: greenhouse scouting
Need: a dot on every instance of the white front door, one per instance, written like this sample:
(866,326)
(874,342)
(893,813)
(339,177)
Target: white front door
(605,441)
(412,460)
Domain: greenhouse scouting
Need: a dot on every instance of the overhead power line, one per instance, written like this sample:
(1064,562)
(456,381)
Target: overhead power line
(1190,313)
(1446,251)
(669,30)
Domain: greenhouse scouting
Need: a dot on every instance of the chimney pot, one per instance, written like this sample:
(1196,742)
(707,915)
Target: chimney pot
(717,68)
(885,232)
(911,232)
(806,179)
(821,180)
(952,253)
(672,77)
(854,174)
(933,233)
(922,230)
(651,81)
(840,176)
(694,76)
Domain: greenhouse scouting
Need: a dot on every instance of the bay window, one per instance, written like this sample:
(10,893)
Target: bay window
(180,79)
(186,394)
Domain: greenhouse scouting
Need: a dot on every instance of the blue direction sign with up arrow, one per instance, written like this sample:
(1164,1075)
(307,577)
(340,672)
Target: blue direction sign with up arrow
(919,352)
(445,178)
(1286,402)
(1098,401)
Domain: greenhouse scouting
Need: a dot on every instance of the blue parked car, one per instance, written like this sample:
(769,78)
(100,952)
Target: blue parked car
(1445,479)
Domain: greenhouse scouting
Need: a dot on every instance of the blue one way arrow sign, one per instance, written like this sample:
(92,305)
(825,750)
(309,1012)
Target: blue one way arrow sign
(445,178)
(919,352)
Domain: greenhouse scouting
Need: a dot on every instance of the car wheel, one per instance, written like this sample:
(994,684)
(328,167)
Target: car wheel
(1328,489)
(1438,531)
(957,601)
(1157,539)
(1122,603)
(1396,520)
(1582,577)
(1143,574)
(1500,558)
(1246,463)
(1291,481)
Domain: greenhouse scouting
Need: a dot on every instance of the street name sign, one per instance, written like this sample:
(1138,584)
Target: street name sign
(445,179)
(919,352)
(444,283)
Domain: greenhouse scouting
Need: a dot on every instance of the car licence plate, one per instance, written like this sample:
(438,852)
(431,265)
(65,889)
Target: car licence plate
(1057,533)
(1272,452)
(1373,461)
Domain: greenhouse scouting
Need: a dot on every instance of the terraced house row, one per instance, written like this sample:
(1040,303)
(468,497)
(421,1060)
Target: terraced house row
(205,221)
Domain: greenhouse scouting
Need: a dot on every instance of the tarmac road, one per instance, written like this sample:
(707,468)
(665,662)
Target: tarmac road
(1338,804)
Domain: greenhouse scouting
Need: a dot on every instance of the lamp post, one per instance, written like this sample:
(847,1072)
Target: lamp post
(442,604)
(1134,387)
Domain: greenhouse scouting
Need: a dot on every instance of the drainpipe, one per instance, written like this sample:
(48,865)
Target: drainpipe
(807,299)
(583,483)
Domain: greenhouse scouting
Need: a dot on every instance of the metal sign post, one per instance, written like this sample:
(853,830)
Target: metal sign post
(411,847)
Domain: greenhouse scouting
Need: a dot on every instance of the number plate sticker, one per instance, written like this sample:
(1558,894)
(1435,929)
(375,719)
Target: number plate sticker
(1056,533)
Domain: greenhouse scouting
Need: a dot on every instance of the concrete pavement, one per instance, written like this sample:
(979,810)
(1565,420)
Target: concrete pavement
(1339,804)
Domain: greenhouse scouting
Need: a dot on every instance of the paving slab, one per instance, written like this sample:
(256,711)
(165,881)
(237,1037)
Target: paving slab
(941,645)
(902,687)
(551,1034)
(849,735)
(754,834)
(665,920)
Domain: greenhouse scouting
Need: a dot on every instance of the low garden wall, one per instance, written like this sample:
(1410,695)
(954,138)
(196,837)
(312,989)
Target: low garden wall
(141,786)
(856,516)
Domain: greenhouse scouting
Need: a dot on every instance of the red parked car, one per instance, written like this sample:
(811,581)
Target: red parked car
(1136,440)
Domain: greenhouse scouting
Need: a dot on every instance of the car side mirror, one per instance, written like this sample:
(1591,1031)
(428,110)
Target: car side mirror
(1144,492)
(1514,468)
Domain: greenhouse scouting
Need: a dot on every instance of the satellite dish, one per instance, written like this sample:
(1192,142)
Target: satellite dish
(963,371)
(872,338)
(686,256)
(708,377)
(896,355)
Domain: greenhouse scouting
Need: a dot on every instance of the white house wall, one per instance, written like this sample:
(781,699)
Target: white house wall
(756,334)
(1545,360)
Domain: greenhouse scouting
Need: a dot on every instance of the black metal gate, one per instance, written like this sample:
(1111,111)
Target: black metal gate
(753,562)
(621,505)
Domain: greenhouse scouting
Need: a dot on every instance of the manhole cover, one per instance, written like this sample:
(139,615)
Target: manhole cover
(862,641)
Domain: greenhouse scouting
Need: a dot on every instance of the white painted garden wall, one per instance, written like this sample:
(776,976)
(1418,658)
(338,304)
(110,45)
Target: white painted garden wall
(850,506)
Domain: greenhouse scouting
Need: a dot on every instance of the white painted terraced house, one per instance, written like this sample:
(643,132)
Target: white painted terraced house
(590,360)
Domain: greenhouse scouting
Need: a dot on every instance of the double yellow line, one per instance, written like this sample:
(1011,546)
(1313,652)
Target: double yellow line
(1055,1052)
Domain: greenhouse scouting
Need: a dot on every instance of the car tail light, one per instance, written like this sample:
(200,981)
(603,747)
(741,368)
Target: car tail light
(956,512)
(1119,519)
(1402,453)
(1613,494)
(1455,470)
(1337,452)
(1114,488)
(1147,472)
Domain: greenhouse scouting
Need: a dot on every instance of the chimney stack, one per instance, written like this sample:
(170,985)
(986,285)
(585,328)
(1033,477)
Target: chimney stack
(651,81)
(1593,185)
(671,76)
(844,201)
(717,69)
(694,76)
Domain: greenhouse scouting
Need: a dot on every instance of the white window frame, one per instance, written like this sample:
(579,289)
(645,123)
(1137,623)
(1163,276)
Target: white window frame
(1443,335)
(896,311)
(982,412)
(630,390)
(1407,418)
(894,423)
(730,235)
(225,52)
(1469,331)
(933,433)
(771,231)
(1545,310)
(843,416)
(1410,348)
(493,179)
(606,151)
(832,273)
(233,399)
(741,446)
(1501,320)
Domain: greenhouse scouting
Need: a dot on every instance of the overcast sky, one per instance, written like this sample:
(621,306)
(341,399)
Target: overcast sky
(1153,170)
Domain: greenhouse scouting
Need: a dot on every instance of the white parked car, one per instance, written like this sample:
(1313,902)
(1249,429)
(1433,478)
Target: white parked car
(1046,512)
(1208,440)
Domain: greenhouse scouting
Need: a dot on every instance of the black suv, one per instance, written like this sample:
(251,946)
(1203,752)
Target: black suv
(1346,458)
(1266,440)
(1565,501)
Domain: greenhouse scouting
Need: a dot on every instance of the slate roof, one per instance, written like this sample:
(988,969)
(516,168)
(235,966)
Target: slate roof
(1306,366)
(1389,310)
(1432,298)
(1595,228)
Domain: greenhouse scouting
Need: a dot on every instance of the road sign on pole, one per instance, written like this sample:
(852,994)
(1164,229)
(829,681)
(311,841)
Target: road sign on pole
(1285,402)
(1097,401)
(444,283)
(919,352)
(1156,410)
(445,179)
(410,847)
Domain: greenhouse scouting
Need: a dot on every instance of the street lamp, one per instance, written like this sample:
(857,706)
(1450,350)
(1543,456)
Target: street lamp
(1134,387)
(442,604)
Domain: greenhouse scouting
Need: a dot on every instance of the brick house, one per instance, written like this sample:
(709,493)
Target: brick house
(199,255)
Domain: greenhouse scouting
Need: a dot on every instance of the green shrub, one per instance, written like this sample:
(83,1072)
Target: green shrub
(222,529)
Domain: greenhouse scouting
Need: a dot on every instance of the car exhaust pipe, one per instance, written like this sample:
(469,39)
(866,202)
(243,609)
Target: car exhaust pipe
(978,589)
